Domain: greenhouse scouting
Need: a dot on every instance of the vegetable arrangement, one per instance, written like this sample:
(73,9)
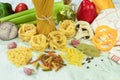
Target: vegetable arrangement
(29,16)
(37,27)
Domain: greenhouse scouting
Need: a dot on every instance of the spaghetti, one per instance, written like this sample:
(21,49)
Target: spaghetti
(45,23)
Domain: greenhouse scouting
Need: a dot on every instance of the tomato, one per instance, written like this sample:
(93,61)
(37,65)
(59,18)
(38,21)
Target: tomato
(21,7)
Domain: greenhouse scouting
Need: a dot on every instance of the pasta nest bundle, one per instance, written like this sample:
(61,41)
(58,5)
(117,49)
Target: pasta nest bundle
(26,31)
(38,42)
(56,40)
(67,27)
(19,56)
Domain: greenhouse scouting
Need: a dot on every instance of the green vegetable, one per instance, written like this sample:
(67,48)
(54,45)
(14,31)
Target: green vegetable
(16,15)
(32,22)
(23,19)
(5,9)
(30,15)
(58,6)
(89,50)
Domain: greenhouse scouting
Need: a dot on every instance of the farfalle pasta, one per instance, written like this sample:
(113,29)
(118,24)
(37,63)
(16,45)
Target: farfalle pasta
(26,31)
(67,27)
(56,40)
(38,42)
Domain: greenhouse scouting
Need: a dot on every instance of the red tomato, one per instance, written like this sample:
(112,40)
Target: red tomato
(21,7)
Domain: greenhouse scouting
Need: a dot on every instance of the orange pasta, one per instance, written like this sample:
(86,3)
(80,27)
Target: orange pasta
(45,23)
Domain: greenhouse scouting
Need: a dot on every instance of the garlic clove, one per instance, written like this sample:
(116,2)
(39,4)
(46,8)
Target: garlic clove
(75,42)
(28,71)
(12,45)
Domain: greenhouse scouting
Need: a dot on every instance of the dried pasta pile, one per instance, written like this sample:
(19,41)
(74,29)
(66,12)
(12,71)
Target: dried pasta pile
(19,56)
(45,23)
(73,56)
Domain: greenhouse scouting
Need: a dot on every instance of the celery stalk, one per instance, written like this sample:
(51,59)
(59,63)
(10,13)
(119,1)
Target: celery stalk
(23,19)
(12,16)
(32,22)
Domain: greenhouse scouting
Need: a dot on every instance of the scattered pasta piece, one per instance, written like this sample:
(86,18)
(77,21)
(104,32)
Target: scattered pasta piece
(57,40)
(19,56)
(67,27)
(38,42)
(26,31)
(73,56)
(49,61)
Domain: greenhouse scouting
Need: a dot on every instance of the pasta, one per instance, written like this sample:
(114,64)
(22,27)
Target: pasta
(67,27)
(38,42)
(26,31)
(73,56)
(45,23)
(57,40)
(19,56)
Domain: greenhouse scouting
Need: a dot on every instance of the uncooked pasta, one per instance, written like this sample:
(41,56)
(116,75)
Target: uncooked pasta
(38,42)
(45,23)
(26,31)
(67,27)
(57,40)
(19,56)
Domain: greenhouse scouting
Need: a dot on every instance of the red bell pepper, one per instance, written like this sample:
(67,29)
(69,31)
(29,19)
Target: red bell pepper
(86,11)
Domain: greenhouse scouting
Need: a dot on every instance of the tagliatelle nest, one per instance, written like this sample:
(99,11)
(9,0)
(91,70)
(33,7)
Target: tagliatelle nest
(57,40)
(67,27)
(26,31)
(38,42)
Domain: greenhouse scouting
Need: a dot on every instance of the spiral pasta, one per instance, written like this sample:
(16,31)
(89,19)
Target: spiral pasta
(38,42)
(67,27)
(19,56)
(57,40)
(26,31)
